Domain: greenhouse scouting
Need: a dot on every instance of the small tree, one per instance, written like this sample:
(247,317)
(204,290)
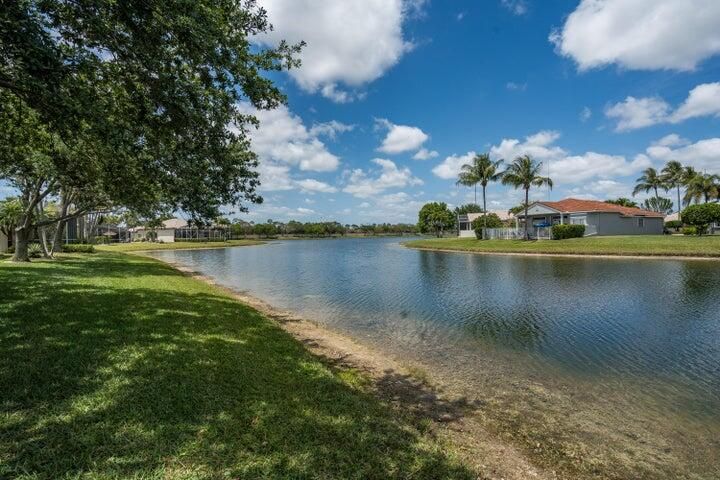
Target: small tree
(659,204)
(524,173)
(435,217)
(701,216)
(491,220)
(623,202)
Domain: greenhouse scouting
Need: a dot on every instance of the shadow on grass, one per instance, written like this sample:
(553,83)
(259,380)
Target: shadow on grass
(110,370)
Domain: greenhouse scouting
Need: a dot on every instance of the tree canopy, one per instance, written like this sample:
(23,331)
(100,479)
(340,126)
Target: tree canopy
(435,217)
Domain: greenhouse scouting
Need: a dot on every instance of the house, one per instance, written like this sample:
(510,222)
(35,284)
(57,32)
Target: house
(3,243)
(164,233)
(465,228)
(599,218)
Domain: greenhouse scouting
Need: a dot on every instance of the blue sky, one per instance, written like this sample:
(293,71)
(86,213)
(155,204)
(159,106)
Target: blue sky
(394,95)
(599,90)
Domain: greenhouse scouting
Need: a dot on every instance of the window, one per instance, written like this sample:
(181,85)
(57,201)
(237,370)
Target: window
(578,220)
(641,222)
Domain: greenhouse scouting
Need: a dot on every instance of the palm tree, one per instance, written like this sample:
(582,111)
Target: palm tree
(524,173)
(703,187)
(674,177)
(482,170)
(650,180)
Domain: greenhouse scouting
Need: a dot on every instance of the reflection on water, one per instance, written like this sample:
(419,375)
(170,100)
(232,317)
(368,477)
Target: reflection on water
(628,345)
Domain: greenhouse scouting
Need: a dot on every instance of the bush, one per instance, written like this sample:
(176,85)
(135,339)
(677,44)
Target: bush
(34,250)
(561,232)
(493,221)
(78,248)
(689,231)
(701,216)
(674,225)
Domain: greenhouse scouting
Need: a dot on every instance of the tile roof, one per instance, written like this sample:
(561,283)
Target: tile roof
(572,205)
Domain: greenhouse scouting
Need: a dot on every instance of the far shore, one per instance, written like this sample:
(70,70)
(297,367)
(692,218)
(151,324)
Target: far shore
(620,247)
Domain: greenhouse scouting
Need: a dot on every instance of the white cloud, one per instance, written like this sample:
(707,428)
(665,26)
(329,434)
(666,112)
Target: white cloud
(564,168)
(425,154)
(633,113)
(512,86)
(516,7)
(283,139)
(602,190)
(702,101)
(450,167)
(703,155)
(400,138)
(330,129)
(585,114)
(274,177)
(305,211)
(672,140)
(361,184)
(310,185)
(351,42)
(640,34)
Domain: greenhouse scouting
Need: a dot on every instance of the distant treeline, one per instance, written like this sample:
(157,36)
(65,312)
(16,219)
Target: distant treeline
(318,229)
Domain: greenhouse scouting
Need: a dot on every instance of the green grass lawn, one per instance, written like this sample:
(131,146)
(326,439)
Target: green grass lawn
(707,246)
(144,246)
(117,366)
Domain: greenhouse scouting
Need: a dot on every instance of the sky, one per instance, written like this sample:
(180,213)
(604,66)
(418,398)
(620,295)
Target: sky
(393,96)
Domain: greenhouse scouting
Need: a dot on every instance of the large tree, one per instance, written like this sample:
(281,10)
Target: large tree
(481,171)
(435,217)
(702,187)
(152,90)
(524,172)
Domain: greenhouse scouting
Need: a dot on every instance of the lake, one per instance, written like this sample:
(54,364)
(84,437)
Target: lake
(604,361)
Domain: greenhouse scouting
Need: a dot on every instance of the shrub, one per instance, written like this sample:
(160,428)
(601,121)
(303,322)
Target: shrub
(34,250)
(674,225)
(78,248)
(561,232)
(701,216)
(493,221)
(689,231)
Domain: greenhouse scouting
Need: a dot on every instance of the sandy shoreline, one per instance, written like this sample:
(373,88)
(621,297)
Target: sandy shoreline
(396,383)
(566,255)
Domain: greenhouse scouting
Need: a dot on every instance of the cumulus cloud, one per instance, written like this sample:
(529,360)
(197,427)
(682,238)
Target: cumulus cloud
(703,100)
(400,138)
(602,190)
(703,155)
(640,34)
(450,167)
(585,114)
(310,185)
(425,154)
(367,184)
(672,140)
(349,43)
(282,138)
(330,129)
(634,113)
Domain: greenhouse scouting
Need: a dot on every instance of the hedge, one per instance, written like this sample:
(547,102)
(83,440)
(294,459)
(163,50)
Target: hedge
(78,248)
(561,232)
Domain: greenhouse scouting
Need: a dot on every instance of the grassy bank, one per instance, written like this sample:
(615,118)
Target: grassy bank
(117,366)
(665,245)
(145,246)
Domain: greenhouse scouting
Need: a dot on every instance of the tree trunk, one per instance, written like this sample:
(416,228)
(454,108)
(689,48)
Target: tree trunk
(484,212)
(527,225)
(679,205)
(22,238)
(475,193)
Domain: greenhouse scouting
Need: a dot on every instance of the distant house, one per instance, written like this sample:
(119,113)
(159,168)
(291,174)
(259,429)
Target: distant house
(3,243)
(599,218)
(465,228)
(165,233)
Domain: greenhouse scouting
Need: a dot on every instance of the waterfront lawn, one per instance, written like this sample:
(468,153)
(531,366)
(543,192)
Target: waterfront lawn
(147,246)
(650,245)
(118,366)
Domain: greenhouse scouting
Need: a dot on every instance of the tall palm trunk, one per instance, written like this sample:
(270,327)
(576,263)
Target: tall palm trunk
(475,186)
(679,207)
(484,209)
(527,227)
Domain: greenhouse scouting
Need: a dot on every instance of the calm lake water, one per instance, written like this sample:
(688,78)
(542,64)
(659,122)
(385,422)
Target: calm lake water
(616,358)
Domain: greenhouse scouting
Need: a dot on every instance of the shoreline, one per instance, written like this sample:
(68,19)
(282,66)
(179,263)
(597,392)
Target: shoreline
(618,256)
(405,386)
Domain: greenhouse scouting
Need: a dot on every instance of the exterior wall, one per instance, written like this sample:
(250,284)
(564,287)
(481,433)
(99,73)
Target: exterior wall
(3,243)
(615,224)
(166,235)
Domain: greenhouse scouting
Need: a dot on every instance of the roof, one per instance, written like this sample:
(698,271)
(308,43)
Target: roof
(175,223)
(502,214)
(575,205)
